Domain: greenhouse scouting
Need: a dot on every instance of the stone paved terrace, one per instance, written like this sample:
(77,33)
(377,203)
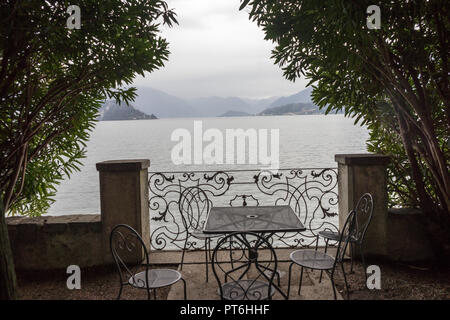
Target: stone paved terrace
(199,289)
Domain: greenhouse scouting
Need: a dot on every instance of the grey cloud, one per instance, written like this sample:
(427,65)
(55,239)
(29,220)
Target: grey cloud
(217,51)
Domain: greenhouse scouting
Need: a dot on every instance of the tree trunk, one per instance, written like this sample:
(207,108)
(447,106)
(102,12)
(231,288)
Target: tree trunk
(425,201)
(8,285)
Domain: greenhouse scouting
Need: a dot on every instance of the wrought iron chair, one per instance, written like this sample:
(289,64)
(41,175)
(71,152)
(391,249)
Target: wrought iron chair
(131,256)
(364,211)
(194,207)
(233,272)
(317,260)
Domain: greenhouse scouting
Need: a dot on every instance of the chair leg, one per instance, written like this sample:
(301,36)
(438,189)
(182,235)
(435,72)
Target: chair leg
(277,273)
(345,280)
(300,282)
(321,271)
(182,255)
(352,254)
(154,294)
(333,286)
(289,280)
(206,257)
(184,288)
(363,261)
(120,292)
(231,255)
(210,252)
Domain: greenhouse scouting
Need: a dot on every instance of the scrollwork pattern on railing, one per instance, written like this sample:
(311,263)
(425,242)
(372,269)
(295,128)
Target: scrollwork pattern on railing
(311,193)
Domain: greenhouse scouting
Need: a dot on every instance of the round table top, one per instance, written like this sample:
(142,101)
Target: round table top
(157,278)
(312,259)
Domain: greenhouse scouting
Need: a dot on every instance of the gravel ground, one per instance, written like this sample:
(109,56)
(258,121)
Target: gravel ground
(398,282)
(99,283)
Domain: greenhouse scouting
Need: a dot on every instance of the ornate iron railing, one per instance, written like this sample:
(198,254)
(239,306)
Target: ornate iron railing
(311,192)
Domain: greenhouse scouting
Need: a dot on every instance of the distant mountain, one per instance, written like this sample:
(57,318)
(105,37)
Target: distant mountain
(302,96)
(291,109)
(163,105)
(233,113)
(259,105)
(110,110)
(216,106)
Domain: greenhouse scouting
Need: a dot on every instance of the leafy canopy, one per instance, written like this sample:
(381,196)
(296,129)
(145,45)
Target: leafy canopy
(395,80)
(53,79)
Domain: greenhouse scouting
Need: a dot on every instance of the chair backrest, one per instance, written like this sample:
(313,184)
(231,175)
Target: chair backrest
(232,262)
(348,231)
(364,211)
(129,253)
(194,208)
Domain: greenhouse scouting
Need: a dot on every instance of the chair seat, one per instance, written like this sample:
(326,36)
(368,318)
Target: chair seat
(200,235)
(246,290)
(332,235)
(312,259)
(157,278)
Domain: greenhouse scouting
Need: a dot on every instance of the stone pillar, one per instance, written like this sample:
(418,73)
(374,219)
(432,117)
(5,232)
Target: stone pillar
(124,197)
(358,174)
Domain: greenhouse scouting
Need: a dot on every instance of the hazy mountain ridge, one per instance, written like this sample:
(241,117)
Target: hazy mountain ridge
(110,111)
(261,103)
(302,96)
(233,113)
(215,106)
(293,108)
(164,105)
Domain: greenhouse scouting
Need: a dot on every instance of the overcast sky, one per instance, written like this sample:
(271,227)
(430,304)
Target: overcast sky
(217,51)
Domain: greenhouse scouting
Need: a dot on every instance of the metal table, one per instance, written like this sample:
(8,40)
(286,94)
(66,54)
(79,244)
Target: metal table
(264,220)
(261,219)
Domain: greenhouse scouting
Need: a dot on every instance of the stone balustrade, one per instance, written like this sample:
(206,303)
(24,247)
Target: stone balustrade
(55,242)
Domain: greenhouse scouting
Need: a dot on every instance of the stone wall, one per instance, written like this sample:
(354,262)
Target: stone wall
(59,241)
(50,242)
(393,234)
(55,242)
(407,239)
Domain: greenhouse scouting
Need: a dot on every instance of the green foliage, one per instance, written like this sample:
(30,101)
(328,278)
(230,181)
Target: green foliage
(57,161)
(384,139)
(394,80)
(53,80)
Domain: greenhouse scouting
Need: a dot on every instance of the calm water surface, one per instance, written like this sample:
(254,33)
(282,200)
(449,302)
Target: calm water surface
(305,142)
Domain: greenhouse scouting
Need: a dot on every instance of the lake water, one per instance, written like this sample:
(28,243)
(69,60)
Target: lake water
(307,141)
